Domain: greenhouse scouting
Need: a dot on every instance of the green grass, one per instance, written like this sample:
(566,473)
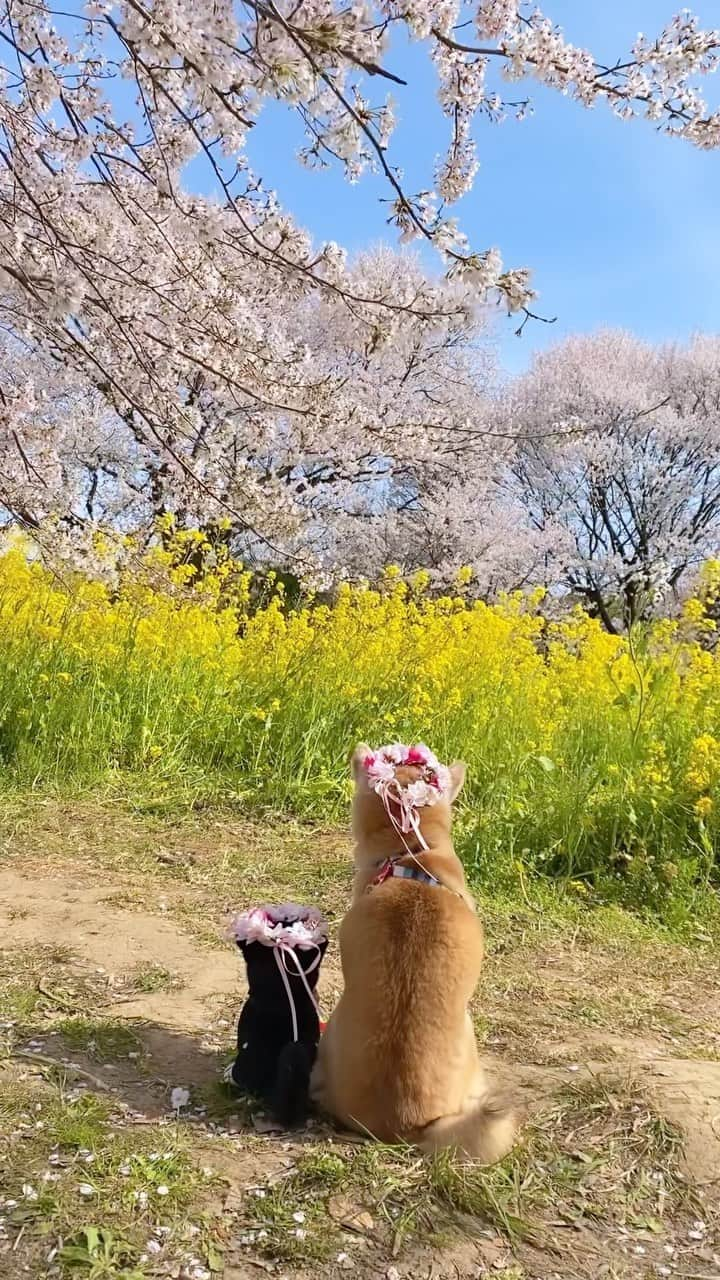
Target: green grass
(276,1226)
(82,1178)
(600,1154)
(20,1002)
(30,996)
(221,1103)
(102,1038)
(146,979)
(98,1253)
(533,903)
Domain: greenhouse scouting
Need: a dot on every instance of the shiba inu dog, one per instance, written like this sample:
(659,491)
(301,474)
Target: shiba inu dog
(398,1059)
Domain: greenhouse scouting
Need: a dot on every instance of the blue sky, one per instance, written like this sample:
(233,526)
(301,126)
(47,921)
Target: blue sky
(619,223)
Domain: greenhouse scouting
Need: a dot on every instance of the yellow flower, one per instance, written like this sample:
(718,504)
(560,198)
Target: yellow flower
(693,611)
(704,763)
(180,644)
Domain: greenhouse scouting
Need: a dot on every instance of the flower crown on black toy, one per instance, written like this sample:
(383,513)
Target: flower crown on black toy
(287,924)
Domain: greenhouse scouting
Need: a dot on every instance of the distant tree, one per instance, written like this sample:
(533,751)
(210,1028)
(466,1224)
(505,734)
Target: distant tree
(618,464)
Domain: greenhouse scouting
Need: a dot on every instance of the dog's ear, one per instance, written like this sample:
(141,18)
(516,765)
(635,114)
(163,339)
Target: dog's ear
(357,760)
(457,778)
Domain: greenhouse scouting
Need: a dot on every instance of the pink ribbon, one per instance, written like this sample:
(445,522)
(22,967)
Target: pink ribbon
(391,793)
(282,951)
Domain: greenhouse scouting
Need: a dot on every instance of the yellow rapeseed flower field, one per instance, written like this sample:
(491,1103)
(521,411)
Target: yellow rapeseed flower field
(590,757)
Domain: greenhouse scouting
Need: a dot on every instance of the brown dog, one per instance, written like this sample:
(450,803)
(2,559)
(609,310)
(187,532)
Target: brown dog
(398,1059)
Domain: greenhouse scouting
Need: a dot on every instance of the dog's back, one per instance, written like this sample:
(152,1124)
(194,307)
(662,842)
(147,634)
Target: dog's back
(411,956)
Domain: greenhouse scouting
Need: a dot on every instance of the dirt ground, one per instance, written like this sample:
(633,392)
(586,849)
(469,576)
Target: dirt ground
(114,921)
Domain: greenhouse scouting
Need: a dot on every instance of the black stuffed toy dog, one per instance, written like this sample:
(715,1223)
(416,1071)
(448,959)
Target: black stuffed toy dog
(279,1026)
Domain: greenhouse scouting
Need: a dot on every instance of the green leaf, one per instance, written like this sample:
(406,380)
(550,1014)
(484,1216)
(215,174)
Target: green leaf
(214,1259)
(92,1235)
(626,699)
(75,1253)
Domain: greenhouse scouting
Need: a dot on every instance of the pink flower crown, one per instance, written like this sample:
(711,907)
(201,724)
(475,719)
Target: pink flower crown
(433,783)
(285,924)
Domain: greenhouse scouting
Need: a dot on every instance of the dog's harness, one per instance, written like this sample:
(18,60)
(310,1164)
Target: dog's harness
(405,823)
(404,819)
(391,867)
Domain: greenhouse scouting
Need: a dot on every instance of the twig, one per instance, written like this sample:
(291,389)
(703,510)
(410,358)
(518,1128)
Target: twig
(60,1001)
(523,888)
(532,315)
(19,1236)
(695,1275)
(44,1059)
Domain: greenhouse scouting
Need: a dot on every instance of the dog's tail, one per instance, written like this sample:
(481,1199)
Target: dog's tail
(289,1100)
(485,1133)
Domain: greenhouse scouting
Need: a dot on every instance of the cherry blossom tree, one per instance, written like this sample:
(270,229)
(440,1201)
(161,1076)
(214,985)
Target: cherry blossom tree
(188,317)
(451,515)
(64,456)
(618,465)
(350,425)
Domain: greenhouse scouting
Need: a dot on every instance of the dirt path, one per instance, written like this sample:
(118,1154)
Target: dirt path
(114,961)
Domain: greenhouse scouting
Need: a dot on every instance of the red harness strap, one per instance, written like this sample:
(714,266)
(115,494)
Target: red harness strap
(384,873)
